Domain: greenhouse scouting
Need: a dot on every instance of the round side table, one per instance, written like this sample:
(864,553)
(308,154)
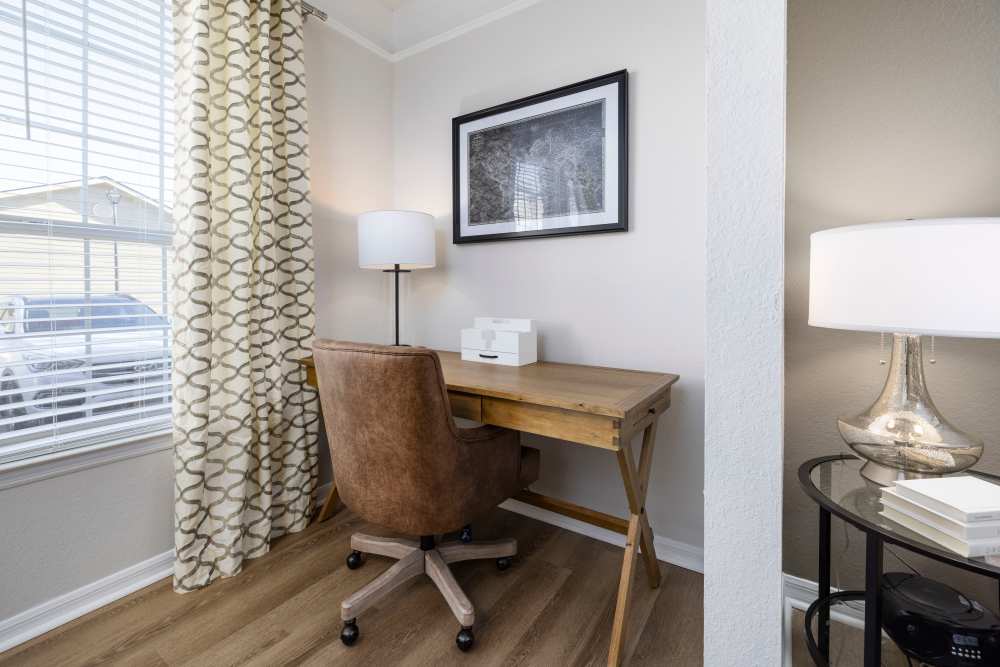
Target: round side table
(837,487)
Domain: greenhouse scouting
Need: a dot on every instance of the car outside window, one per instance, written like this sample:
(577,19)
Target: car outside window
(7,318)
(65,318)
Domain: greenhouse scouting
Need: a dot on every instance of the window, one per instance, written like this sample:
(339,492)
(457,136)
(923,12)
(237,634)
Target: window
(86,181)
(6,319)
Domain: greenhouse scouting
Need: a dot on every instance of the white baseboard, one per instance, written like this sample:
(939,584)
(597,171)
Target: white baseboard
(53,613)
(63,609)
(669,551)
(799,594)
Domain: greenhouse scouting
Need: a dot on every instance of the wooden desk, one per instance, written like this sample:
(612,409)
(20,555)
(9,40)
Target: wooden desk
(591,406)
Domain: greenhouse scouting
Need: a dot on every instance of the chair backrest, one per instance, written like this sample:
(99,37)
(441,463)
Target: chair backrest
(393,443)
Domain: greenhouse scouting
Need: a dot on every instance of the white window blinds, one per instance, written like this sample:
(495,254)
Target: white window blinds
(86,182)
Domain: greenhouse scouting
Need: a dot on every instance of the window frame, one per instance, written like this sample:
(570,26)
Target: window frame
(91,455)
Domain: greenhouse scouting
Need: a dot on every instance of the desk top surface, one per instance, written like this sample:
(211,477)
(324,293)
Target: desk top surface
(613,392)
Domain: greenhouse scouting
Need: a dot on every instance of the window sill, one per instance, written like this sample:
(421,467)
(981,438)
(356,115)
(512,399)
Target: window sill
(47,466)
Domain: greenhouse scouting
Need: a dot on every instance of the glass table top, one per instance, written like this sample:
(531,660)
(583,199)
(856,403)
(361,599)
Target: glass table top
(838,486)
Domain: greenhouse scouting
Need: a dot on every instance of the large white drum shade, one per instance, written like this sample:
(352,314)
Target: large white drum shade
(934,277)
(387,238)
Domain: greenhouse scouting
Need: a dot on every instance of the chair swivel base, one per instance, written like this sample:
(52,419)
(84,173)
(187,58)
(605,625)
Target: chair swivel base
(413,559)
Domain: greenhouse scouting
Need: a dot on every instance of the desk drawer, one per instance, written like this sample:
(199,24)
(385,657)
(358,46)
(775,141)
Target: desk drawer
(466,406)
(579,427)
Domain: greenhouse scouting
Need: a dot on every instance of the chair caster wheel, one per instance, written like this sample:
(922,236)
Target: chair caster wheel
(466,535)
(350,633)
(465,640)
(503,563)
(355,560)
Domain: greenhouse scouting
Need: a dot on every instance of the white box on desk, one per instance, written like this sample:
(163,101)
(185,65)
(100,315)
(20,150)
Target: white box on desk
(520,325)
(496,340)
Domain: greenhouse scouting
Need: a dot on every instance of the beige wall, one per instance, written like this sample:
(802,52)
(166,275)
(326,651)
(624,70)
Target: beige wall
(893,112)
(633,300)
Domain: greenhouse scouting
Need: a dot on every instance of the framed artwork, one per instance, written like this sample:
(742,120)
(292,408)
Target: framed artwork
(550,164)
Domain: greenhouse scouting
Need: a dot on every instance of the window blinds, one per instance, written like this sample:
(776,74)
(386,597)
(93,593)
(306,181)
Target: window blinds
(86,183)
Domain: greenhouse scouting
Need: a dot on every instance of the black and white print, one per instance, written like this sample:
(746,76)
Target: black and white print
(553,163)
(541,167)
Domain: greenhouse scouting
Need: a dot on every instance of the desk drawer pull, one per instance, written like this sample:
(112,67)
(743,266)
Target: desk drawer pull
(489,356)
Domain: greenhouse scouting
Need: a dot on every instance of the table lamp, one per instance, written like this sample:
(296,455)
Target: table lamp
(908,278)
(396,242)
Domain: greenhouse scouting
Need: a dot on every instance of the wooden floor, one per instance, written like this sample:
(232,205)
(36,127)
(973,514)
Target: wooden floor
(553,607)
(846,646)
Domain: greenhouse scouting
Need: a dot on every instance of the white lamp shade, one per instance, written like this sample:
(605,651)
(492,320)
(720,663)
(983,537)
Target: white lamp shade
(387,238)
(933,277)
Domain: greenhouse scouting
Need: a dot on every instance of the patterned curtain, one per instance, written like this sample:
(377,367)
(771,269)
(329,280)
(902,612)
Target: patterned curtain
(245,425)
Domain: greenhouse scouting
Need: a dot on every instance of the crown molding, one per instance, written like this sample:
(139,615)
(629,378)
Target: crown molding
(429,43)
(460,30)
(359,39)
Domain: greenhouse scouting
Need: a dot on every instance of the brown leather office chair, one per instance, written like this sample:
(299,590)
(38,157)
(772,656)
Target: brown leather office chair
(401,462)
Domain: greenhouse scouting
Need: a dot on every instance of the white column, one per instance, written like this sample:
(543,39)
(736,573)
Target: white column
(744,356)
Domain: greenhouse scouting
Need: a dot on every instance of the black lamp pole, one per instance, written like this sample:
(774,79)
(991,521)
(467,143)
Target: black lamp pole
(396,271)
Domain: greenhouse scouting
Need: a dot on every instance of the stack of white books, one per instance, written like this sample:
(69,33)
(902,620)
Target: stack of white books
(961,512)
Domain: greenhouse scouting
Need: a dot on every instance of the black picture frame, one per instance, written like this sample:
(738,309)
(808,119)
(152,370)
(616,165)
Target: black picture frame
(620,224)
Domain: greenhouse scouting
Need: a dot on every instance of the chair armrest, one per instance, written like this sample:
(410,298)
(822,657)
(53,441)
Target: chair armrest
(491,455)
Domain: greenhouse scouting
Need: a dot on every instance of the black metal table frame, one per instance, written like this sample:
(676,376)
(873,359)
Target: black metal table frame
(875,539)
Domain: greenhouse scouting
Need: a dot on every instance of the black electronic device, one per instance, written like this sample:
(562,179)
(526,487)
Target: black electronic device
(937,625)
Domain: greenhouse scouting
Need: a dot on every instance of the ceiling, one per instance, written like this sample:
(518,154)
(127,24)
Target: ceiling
(393,5)
(396,29)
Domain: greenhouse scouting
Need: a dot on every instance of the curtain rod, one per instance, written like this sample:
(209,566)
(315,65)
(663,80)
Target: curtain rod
(309,10)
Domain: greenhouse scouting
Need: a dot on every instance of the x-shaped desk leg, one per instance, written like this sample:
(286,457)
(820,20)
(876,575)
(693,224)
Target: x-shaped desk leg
(330,504)
(639,535)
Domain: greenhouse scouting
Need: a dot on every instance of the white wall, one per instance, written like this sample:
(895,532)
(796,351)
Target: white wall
(632,300)
(744,359)
(350,151)
(62,533)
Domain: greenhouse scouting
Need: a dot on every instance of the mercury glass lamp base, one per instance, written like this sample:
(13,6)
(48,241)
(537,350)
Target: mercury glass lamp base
(902,435)
(885,476)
